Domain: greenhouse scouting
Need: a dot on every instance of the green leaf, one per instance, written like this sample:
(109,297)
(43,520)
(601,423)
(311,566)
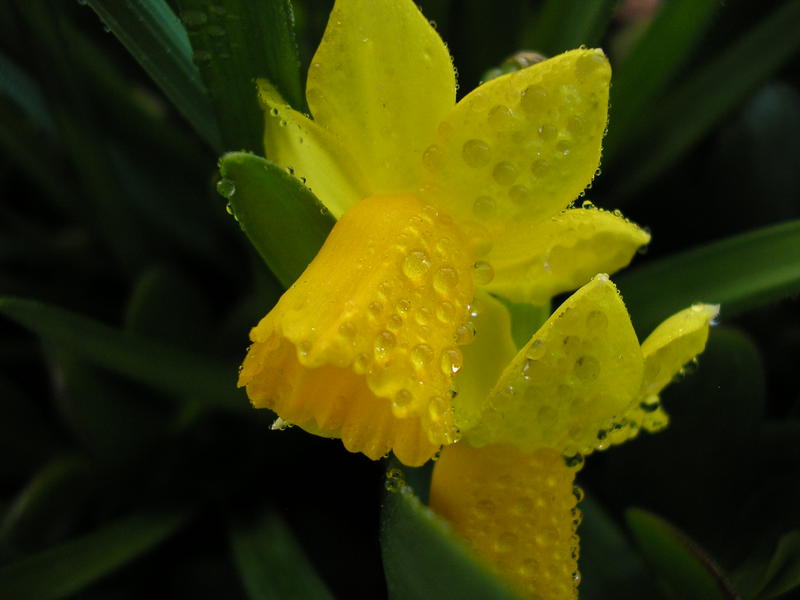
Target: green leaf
(563,25)
(783,572)
(271,562)
(653,61)
(693,109)
(684,570)
(423,560)
(235,42)
(65,569)
(281,217)
(610,567)
(165,367)
(741,272)
(44,508)
(156,38)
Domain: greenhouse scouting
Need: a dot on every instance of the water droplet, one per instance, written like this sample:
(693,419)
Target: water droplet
(587,368)
(437,408)
(539,168)
(416,264)
(375,309)
(564,146)
(451,361)
(402,401)
(463,335)
(589,63)
(476,153)
(484,207)
(361,363)
(394,323)
(534,99)
(226,187)
(384,343)
(423,315)
(576,126)
(535,350)
(482,273)
(347,329)
(519,194)
(650,404)
(432,157)
(421,355)
(548,132)
(403,305)
(574,461)
(587,204)
(445,312)
(501,118)
(504,173)
(597,321)
(506,542)
(445,279)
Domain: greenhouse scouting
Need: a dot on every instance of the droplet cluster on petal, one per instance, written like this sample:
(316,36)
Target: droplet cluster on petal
(567,387)
(521,147)
(517,510)
(386,298)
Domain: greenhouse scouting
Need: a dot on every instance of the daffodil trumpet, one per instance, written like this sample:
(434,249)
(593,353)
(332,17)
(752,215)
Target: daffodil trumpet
(435,199)
(528,418)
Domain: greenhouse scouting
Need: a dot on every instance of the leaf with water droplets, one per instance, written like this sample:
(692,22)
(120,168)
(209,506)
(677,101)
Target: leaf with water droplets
(281,217)
(155,37)
(235,42)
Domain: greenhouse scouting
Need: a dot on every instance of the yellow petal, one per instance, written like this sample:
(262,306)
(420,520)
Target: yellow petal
(521,147)
(379,83)
(484,359)
(674,343)
(565,388)
(294,142)
(534,263)
(362,346)
(517,510)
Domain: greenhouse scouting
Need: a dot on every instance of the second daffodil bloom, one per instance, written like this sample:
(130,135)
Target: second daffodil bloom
(582,383)
(433,199)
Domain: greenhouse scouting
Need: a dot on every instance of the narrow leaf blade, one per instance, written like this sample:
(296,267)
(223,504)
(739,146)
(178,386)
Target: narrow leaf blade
(65,569)
(235,42)
(657,56)
(692,110)
(157,40)
(741,272)
(271,562)
(281,217)
(165,367)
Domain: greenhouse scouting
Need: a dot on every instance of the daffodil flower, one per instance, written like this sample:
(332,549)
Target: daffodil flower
(582,383)
(433,199)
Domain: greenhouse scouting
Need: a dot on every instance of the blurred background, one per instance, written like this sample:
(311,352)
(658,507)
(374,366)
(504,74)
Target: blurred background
(128,454)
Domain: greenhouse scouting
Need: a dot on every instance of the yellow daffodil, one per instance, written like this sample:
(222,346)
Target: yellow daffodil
(528,418)
(433,199)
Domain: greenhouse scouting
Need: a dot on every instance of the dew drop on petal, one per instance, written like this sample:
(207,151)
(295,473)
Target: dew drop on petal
(482,273)
(476,153)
